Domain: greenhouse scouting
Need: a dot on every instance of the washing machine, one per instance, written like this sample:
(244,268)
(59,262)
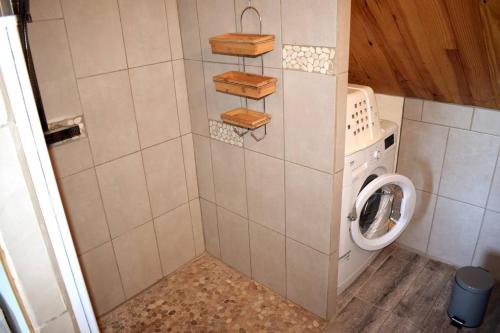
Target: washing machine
(377,203)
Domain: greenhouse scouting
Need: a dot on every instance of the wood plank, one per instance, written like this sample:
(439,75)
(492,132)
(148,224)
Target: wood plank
(437,321)
(418,300)
(356,317)
(245,84)
(246,118)
(241,44)
(490,16)
(394,323)
(444,50)
(353,290)
(390,282)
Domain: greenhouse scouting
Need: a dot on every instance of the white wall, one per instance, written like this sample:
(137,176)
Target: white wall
(451,153)
(391,108)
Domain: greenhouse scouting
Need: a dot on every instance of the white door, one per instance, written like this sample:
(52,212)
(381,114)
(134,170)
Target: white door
(382,211)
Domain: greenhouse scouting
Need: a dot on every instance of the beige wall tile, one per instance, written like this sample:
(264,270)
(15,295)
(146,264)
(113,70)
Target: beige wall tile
(336,211)
(340,120)
(309,119)
(199,240)
(421,153)
(210,227)
(229,177)
(468,166)
(102,277)
(266,190)
(181,95)
(106,100)
(45,9)
(234,240)
(217,102)
(124,193)
(165,176)
(62,324)
(174,31)
(447,114)
(174,233)
(19,226)
(84,210)
(487,254)
(308,206)
(153,91)
(223,10)
(486,121)
(494,199)
(416,235)
(188,22)
(455,231)
(138,259)
(196,97)
(145,31)
(267,250)
(273,144)
(190,165)
(54,70)
(412,108)
(95,36)
(333,273)
(316,15)
(204,172)
(270,11)
(342,38)
(307,277)
(70,158)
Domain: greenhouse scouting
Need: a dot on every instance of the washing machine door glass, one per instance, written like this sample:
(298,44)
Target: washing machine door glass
(382,211)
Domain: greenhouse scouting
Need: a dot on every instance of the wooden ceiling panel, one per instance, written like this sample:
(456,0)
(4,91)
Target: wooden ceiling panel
(444,50)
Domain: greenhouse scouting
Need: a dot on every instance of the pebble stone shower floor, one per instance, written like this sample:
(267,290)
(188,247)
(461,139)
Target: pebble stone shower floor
(400,291)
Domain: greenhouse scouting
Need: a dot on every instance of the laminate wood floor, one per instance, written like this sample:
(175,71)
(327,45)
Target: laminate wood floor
(402,291)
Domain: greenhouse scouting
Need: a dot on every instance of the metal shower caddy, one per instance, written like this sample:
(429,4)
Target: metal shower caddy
(237,131)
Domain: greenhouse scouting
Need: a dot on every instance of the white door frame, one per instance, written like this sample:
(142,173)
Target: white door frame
(20,96)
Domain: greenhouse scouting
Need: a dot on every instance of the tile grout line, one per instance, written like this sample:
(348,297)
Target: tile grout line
(247,210)
(84,77)
(139,140)
(485,210)
(452,127)
(437,190)
(278,158)
(94,166)
(179,123)
(282,72)
(215,199)
(187,194)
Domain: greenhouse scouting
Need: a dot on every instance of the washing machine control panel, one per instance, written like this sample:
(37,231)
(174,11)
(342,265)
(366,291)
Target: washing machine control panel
(376,154)
(389,141)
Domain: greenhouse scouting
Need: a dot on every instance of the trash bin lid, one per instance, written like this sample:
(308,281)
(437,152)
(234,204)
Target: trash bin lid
(474,279)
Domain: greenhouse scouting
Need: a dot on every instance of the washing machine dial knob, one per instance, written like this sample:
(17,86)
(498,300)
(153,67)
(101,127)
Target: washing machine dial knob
(376,154)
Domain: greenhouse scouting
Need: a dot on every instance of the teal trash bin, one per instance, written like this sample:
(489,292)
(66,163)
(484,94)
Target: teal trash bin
(469,297)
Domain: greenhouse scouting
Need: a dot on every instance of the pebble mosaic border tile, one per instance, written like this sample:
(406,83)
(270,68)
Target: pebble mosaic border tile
(312,59)
(224,132)
(78,120)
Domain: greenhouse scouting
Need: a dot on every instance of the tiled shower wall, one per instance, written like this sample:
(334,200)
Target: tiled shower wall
(451,153)
(129,187)
(270,209)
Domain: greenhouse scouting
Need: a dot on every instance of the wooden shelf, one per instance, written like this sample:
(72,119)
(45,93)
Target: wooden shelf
(246,118)
(249,45)
(245,84)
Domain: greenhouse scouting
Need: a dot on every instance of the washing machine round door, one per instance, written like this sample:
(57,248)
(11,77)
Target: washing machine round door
(382,211)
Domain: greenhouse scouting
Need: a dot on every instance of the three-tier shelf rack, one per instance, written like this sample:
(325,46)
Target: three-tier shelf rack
(245,84)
